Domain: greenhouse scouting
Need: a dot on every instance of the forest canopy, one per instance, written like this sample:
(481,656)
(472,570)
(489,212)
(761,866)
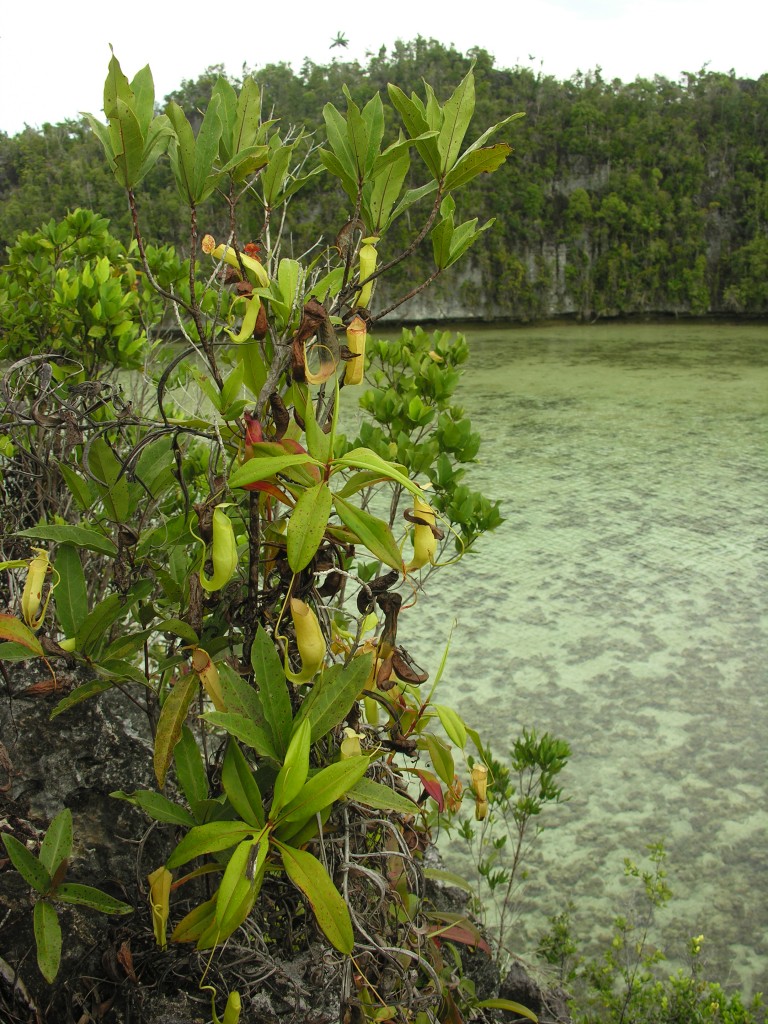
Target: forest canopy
(619,198)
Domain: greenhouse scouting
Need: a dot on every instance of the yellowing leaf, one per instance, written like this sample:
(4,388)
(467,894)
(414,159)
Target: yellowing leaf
(172,715)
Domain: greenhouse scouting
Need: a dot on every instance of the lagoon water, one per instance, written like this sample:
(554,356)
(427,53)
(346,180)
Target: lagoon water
(622,606)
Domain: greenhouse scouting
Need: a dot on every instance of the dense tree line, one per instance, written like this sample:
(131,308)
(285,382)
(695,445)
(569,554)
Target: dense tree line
(649,196)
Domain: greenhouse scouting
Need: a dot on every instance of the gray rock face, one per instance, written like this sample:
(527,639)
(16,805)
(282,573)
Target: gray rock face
(75,762)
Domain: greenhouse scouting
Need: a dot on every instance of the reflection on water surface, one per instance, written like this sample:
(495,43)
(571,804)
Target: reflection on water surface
(622,606)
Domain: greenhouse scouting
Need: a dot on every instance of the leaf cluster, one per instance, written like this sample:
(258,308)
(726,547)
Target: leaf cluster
(226,562)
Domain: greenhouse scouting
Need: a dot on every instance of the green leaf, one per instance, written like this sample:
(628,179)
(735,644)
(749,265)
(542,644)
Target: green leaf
(14,630)
(416,125)
(190,769)
(324,789)
(413,196)
(182,152)
(71,594)
(357,136)
(196,922)
(47,939)
(338,138)
(441,757)
(57,844)
(464,236)
(234,887)
(508,1004)
(364,458)
(143,89)
(172,715)
(240,698)
(79,536)
(272,177)
(90,689)
(318,442)
(232,386)
(87,896)
(95,628)
(227,97)
(127,142)
(479,161)
(307,525)
(442,233)
(206,151)
(241,787)
(328,702)
(374,533)
(309,875)
(212,837)
(157,806)
(374,794)
(178,628)
(273,690)
(332,163)
(453,724)
(248,118)
(266,466)
(449,877)
(111,481)
(116,87)
(14,652)
(245,730)
(294,771)
(155,144)
(457,113)
(386,189)
(29,867)
(79,489)
(480,142)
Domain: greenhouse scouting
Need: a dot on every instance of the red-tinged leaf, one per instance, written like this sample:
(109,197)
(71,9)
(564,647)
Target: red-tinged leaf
(433,788)
(267,488)
(42,688)
(466,936)
(14,630)
(125,958)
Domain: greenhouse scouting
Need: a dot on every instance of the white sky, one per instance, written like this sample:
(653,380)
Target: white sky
(54,54)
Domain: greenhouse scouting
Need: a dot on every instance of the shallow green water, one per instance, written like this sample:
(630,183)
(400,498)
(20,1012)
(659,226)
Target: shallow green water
(622,606)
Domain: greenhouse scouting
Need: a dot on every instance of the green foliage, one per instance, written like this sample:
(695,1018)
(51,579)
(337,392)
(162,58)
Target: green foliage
(416,422)
(625,985)
(72,289)
(645,196)
(220,550)
(507,821)
(45,874)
